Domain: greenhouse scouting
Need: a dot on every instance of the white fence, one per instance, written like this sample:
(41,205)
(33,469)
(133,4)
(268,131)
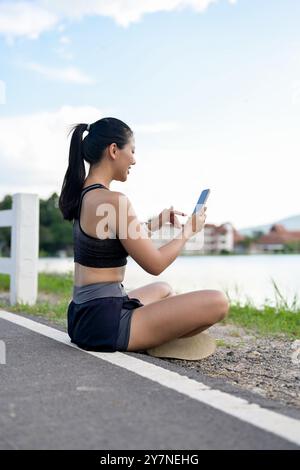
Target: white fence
(22,266)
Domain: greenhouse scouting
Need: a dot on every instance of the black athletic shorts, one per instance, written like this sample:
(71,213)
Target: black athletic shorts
(101,324)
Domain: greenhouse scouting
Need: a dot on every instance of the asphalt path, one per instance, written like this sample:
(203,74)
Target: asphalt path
(54,396)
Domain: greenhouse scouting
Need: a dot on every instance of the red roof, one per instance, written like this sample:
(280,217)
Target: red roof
(217,229)
(222,229)
(279,234)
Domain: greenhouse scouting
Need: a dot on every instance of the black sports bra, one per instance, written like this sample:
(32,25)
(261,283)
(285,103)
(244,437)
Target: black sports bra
(95,252)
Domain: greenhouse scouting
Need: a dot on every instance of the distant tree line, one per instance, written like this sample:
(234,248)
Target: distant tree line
(55,233)
(288,247)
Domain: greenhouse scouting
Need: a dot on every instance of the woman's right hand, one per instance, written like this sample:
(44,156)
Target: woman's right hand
(195,223)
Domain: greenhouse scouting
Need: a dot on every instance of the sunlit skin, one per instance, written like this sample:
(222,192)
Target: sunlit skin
(165,315)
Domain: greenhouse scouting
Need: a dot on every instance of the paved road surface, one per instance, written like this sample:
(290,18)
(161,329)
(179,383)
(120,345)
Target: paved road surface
(54,396)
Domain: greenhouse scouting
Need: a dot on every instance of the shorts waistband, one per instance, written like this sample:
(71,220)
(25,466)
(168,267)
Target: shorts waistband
(82,294)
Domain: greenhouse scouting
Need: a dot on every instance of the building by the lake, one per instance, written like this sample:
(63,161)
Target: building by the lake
(277,237)
(212,239)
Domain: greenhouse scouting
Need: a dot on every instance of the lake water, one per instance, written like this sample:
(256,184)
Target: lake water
(243,277)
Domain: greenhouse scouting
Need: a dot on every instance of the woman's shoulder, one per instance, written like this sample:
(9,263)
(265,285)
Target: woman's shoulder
(117,197)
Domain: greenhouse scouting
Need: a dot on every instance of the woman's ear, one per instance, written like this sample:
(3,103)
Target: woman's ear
(112,150)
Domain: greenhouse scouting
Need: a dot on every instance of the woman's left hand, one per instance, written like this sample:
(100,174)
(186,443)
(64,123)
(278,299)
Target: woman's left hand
(166,215)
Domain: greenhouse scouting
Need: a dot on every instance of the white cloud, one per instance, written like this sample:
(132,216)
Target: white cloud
(30,19)
(64,54)
(230,159)
(63,50)
(123,12)
(156,127)
(36,160)
(64,40)
(67,74)
(25,19)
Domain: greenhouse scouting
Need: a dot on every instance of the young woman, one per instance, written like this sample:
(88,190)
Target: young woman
(101,315)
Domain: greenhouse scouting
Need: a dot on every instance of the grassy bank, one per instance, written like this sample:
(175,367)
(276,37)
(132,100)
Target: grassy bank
(55,292)
(54,295)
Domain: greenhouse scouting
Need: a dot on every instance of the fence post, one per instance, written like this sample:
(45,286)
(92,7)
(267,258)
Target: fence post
(24,249)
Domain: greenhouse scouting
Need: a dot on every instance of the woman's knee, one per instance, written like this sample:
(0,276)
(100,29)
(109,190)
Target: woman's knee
(215,305)
(222,304)
(166,289)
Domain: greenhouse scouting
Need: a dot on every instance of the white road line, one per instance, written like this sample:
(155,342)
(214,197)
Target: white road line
(270,421)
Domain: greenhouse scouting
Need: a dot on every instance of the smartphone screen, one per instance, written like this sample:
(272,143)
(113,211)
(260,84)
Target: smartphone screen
(202,200)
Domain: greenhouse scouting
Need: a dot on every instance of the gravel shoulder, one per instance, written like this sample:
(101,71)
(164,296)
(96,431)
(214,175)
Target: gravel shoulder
(268,366)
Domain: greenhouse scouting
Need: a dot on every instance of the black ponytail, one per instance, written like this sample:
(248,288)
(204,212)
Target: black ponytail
(101,134)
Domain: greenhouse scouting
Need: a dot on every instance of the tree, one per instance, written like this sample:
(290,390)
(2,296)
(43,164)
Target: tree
(291,247)
(55,233)
(5,232)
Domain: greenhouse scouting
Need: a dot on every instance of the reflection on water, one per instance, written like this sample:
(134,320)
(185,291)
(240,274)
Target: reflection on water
(242,277)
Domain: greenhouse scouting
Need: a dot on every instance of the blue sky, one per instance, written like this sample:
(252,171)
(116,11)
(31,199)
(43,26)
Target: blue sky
(212,94)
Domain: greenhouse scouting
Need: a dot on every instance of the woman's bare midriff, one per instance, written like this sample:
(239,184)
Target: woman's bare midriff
(84,275)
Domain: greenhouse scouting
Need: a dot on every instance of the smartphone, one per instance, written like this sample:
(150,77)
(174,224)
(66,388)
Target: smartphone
(202,200)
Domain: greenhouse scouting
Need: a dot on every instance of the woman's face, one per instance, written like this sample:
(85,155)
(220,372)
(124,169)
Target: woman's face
(125,159)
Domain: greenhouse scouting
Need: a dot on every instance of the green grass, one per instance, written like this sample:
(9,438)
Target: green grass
(57,286)
(267,321)
(61,284)
(55,312)
(4,282)
(55,293)
(222,343)
(281,318)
